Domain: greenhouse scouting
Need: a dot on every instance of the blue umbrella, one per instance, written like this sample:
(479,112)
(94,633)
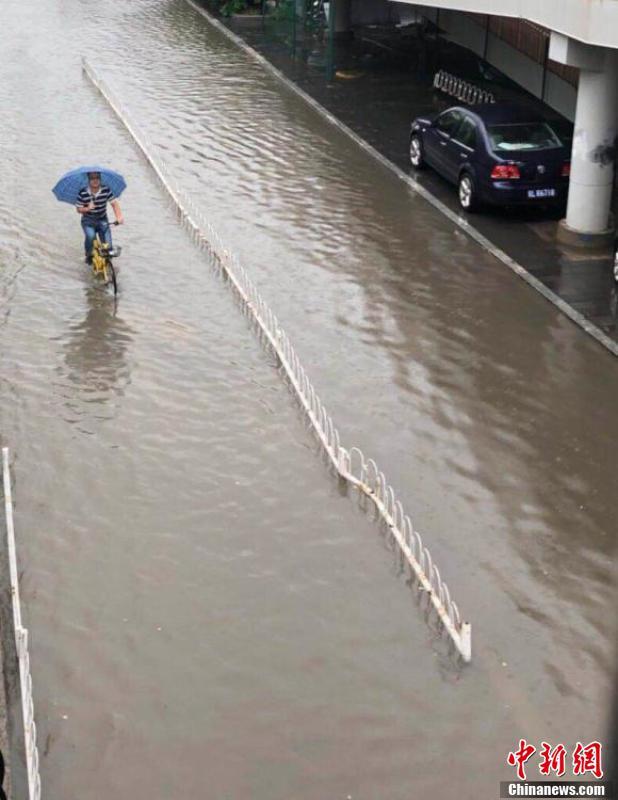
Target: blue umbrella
(68,187)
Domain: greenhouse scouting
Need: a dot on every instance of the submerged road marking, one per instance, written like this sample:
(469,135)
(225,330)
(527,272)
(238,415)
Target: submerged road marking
(457,219)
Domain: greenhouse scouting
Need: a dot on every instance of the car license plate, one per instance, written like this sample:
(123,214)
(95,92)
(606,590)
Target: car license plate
(541,192)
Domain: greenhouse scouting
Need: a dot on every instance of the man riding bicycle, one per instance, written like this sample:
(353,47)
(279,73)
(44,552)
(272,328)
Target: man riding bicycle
(92,205)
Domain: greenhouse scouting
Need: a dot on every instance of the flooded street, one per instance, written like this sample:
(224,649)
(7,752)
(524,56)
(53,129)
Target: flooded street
(210,616)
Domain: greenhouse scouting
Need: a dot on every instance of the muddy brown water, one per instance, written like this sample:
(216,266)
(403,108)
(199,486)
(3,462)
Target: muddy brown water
(209,615)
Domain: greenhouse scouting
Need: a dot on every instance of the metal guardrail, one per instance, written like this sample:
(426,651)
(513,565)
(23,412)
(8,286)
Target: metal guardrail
(350,464)
(21,642)
(462,90)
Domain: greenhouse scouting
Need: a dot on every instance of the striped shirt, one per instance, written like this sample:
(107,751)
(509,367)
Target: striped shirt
(100,199)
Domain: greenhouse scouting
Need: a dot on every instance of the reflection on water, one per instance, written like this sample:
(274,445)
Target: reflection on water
(96,368)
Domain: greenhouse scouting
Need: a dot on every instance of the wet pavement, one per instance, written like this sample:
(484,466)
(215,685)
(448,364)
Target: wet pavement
(209,615)
(382,80)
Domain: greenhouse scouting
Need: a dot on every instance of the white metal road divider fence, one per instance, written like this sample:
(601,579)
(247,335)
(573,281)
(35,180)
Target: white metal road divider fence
(351,464)
(21,642)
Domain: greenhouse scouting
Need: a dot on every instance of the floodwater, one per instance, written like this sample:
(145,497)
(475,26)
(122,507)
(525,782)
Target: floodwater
(210,616)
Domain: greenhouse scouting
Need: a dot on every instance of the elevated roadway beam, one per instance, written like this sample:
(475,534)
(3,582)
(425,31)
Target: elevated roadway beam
(590,21)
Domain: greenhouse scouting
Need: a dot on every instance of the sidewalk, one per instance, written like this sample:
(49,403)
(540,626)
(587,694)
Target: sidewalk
(382,80)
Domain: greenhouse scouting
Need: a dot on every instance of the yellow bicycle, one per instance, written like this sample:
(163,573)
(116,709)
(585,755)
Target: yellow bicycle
(102,266)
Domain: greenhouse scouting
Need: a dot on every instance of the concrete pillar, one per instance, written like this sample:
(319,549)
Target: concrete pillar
(592,159)
(342,18)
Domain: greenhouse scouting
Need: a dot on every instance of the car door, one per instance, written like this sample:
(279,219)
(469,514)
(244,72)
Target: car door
(437,137)
(460,147)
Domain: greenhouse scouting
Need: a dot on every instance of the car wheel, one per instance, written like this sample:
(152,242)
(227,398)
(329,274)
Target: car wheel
(468,199)
(417,157)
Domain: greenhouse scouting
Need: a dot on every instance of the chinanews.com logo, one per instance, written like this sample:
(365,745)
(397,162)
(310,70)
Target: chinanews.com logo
(585,761)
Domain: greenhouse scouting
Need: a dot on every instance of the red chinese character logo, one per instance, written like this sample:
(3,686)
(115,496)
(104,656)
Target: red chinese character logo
(552,760)
(520,756)
(587,759)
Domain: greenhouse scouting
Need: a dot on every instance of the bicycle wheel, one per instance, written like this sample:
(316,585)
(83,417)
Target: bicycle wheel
(110,276)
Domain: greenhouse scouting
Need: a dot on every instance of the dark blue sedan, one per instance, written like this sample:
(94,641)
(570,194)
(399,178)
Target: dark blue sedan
(496,153)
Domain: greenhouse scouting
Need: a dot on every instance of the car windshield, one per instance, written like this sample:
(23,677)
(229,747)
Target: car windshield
(522,136)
